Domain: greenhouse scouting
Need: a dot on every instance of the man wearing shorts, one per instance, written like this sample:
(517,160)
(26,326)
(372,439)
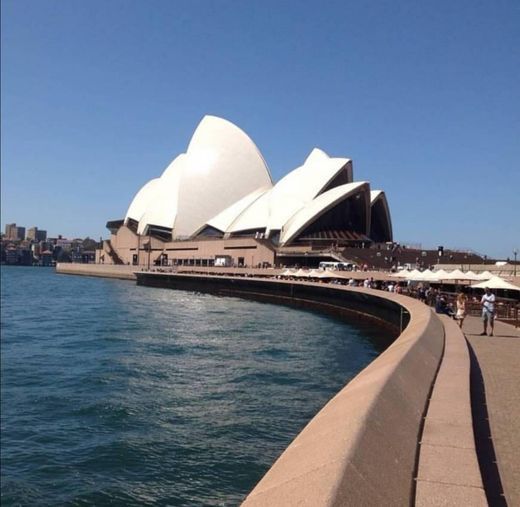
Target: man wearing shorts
(488,311)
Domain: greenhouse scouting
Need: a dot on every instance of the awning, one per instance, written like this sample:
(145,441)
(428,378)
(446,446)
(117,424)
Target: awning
(496,283)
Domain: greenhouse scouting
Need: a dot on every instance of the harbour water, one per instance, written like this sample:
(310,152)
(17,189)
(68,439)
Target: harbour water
(114,394)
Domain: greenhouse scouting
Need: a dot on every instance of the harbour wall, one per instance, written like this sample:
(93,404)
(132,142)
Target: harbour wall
(362,447)
(122,272)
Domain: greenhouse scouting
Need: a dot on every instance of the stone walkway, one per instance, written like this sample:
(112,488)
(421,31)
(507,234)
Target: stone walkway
(499,361)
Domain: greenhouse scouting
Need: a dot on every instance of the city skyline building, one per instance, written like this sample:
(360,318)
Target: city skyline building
(34,247)
(13,232)
(35,234)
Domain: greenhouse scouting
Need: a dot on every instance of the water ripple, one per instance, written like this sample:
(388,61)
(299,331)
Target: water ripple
(119,395)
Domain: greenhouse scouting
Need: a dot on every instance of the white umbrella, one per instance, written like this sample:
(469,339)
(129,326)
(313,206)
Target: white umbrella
(321,274)
(441,274)
(469,275)
(415,275)
(315,273)
(495,283)
(429,276)
(301,273)
(485,275)
(456,274)
(288,272)
(401,274)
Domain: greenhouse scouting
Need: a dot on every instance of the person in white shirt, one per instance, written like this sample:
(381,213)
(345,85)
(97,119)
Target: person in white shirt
(488,311)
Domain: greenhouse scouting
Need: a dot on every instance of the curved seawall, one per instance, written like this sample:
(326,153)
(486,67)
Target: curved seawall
(362,447)
(355,303)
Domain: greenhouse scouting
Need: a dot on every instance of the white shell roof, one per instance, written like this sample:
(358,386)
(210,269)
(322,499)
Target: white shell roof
(224,219)
(162,209)
(223,181)
(318,207)
(225,167)
(221,166)
(255,216)
(376,195)
(142,200)
(292,193)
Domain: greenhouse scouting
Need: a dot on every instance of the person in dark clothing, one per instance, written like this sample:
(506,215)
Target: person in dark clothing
(443,307)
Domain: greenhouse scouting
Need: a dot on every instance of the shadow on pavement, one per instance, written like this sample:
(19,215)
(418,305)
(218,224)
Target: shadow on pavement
(483,439)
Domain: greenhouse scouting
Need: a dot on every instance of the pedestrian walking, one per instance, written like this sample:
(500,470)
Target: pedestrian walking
(488,311)
(461,308)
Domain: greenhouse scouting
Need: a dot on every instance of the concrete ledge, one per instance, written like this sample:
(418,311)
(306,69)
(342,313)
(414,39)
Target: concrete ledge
(361,448)
(103,270)
(448,472)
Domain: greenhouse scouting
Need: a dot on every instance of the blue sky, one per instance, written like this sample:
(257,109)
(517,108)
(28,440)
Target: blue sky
(98,96)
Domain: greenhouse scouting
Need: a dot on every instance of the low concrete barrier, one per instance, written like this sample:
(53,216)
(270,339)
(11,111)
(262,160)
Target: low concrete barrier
(362,447)
(356,303)
(104,270)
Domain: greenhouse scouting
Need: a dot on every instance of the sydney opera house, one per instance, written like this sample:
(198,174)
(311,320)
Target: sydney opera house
(216,204)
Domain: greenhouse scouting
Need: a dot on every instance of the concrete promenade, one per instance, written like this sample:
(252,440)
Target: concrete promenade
(499,360)
(121,272)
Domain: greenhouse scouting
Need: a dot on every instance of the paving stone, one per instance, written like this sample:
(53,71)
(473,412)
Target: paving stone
(434,494)
(450,465)
(448,434)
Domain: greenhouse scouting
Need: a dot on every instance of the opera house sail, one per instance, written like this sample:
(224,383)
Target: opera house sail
(218,201)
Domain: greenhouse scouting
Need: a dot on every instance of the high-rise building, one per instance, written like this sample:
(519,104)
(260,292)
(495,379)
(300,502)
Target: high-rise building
(20,233)
(10,230)
(35,234)
(31,233)
(13,232)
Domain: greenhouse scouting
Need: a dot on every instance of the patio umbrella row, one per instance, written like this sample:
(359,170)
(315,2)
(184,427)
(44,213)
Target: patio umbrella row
(496,283)
(486,278)
(438,276)
(328,274)
(313,273)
